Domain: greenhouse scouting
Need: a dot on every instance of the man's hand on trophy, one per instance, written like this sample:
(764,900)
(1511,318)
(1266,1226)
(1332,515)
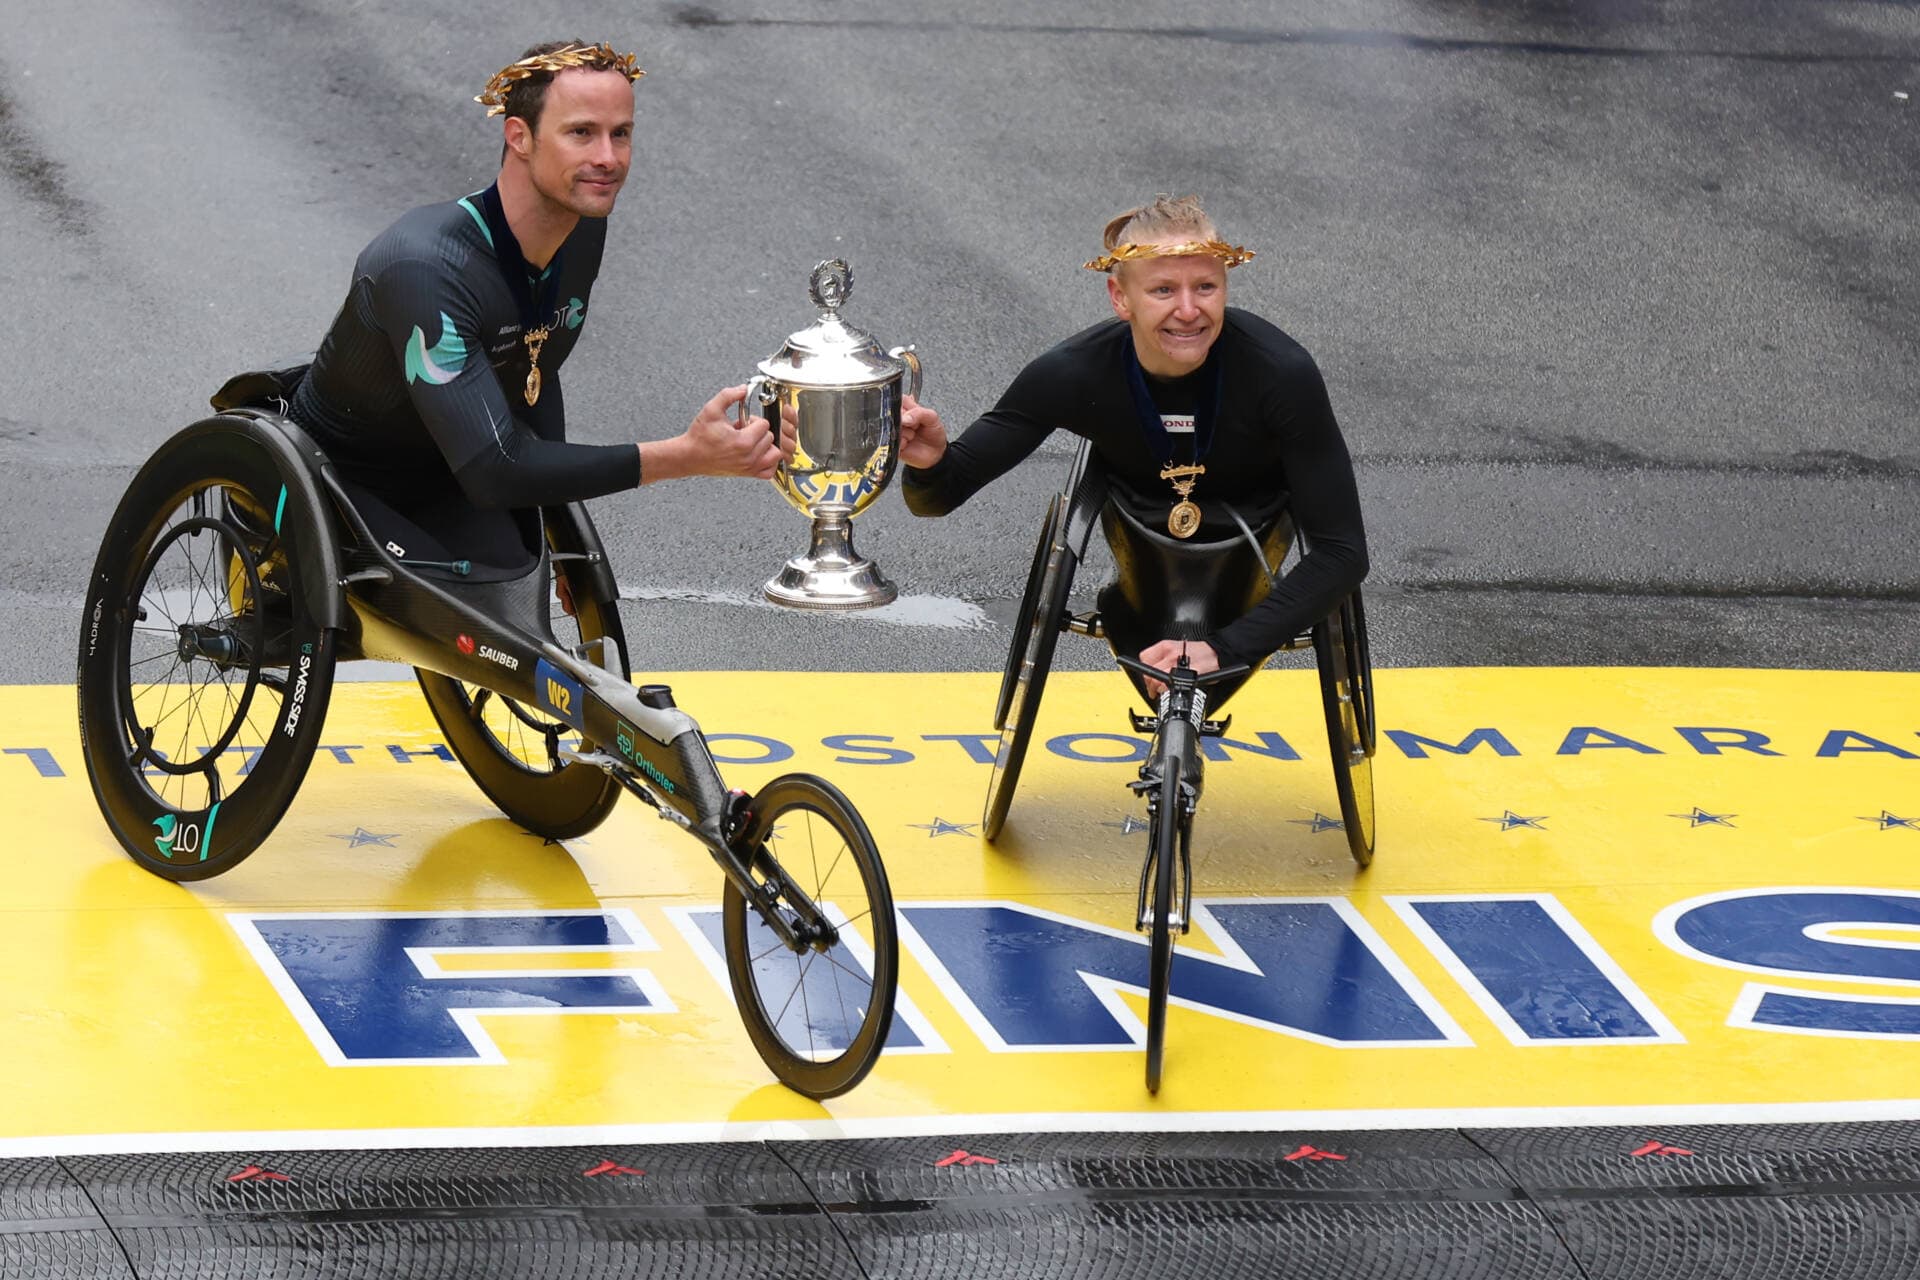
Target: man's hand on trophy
(923,437)
(721,446)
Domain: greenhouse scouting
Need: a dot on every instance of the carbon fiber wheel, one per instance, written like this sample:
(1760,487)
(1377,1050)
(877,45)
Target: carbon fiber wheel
(1346,694)
(203,674)
(1036,634)
(1168,837)
(512,751)
(818,1016)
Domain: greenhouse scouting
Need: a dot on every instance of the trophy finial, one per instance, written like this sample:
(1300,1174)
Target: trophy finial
(830,284)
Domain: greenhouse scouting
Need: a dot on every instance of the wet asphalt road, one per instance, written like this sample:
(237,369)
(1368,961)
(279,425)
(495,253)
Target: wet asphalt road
(1619,303)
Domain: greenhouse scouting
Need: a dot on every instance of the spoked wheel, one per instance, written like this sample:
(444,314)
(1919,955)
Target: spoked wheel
(1169,838)
(1036,633)
(203,675)
(512,751)
(1346,692)
(818,1016)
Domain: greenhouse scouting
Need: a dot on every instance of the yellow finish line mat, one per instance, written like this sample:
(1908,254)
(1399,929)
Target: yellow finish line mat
(1600,897)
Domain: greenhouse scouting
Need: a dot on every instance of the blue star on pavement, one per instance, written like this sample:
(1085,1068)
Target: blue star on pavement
(1508,820)
(941,827)
(1127,825)
(362,836)
(1888,821)
(1701,818)
(1321,822)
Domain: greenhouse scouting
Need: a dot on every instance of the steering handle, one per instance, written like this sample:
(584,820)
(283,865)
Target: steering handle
(1181,673)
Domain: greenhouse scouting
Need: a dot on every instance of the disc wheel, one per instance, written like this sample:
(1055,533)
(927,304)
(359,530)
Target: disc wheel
(818,1016)
(203,676)
(1036,634)
(1346,694)
(1168,836)
(512,751)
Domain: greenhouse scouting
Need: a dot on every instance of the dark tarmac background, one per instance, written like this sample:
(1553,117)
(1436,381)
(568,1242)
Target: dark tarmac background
(1619,303)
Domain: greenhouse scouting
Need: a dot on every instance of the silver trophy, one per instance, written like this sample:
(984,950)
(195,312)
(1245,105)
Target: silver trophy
(842,392)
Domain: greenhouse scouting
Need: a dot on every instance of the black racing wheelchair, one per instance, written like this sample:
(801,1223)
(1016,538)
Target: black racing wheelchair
(1168,588)
(239,569)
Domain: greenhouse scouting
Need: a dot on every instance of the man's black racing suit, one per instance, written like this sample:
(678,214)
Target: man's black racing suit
(1274,438)
(416,393)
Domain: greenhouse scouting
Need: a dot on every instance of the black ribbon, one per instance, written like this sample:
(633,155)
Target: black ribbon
(513,264)
(1206,406)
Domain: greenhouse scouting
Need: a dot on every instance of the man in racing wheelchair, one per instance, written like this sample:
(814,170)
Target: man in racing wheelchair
(1209,444)
(411,498)
(436,392)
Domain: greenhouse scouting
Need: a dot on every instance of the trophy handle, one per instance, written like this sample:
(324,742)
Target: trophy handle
(758,396)
(912,358)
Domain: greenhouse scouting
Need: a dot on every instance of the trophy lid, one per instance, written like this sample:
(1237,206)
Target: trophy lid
(830,352)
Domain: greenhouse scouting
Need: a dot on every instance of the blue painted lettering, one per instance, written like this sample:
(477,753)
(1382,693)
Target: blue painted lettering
(1310,968)
(40,758)
(1804,933)
(853,741)
(980,747)
(1732,740)
(1534,970)
(370,1001)
(772,751)
(1840,741)
(1415,746)
(1271,745)
(1588,737)
(437,750)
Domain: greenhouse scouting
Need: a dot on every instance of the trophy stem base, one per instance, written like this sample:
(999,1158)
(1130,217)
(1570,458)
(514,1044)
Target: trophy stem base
(832,575)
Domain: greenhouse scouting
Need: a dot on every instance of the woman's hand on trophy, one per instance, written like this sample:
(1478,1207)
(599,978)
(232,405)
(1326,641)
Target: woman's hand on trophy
(923,437)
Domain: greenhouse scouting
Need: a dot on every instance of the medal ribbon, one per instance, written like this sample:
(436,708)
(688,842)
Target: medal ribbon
(513,264)
(1207,405)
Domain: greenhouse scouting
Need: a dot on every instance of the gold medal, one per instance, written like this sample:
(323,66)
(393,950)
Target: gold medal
(536,338)
(1184,519)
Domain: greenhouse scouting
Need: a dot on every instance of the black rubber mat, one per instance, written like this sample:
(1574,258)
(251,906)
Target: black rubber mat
(48,1227)
(1811,1202)
(1754,1202)
(1393,1204)
(720,1210)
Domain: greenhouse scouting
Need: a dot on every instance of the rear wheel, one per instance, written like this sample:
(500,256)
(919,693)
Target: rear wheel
(818,1016)
(1346,694)
(1036,635)
(203,674)
(512,751)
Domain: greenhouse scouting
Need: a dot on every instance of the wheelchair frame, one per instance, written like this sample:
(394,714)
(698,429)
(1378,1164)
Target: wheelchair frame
(322,572)
(1172,775)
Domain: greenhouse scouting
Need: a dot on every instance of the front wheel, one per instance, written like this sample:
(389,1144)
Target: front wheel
(1166,838)
(818,1015)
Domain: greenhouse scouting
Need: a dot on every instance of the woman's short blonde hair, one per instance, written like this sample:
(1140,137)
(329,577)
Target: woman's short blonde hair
(1165,214)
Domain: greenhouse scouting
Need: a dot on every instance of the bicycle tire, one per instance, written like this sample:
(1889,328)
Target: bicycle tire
(1165,835)
(1346,698)
(1028,668)
(492,736)
(845,999)
(179,815)
(1023,620)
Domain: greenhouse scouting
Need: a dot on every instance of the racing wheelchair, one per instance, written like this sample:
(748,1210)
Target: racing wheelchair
(239,569)
(1166,587)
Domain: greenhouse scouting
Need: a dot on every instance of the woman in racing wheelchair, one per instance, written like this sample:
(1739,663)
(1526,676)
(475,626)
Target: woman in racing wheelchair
(1209,445)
